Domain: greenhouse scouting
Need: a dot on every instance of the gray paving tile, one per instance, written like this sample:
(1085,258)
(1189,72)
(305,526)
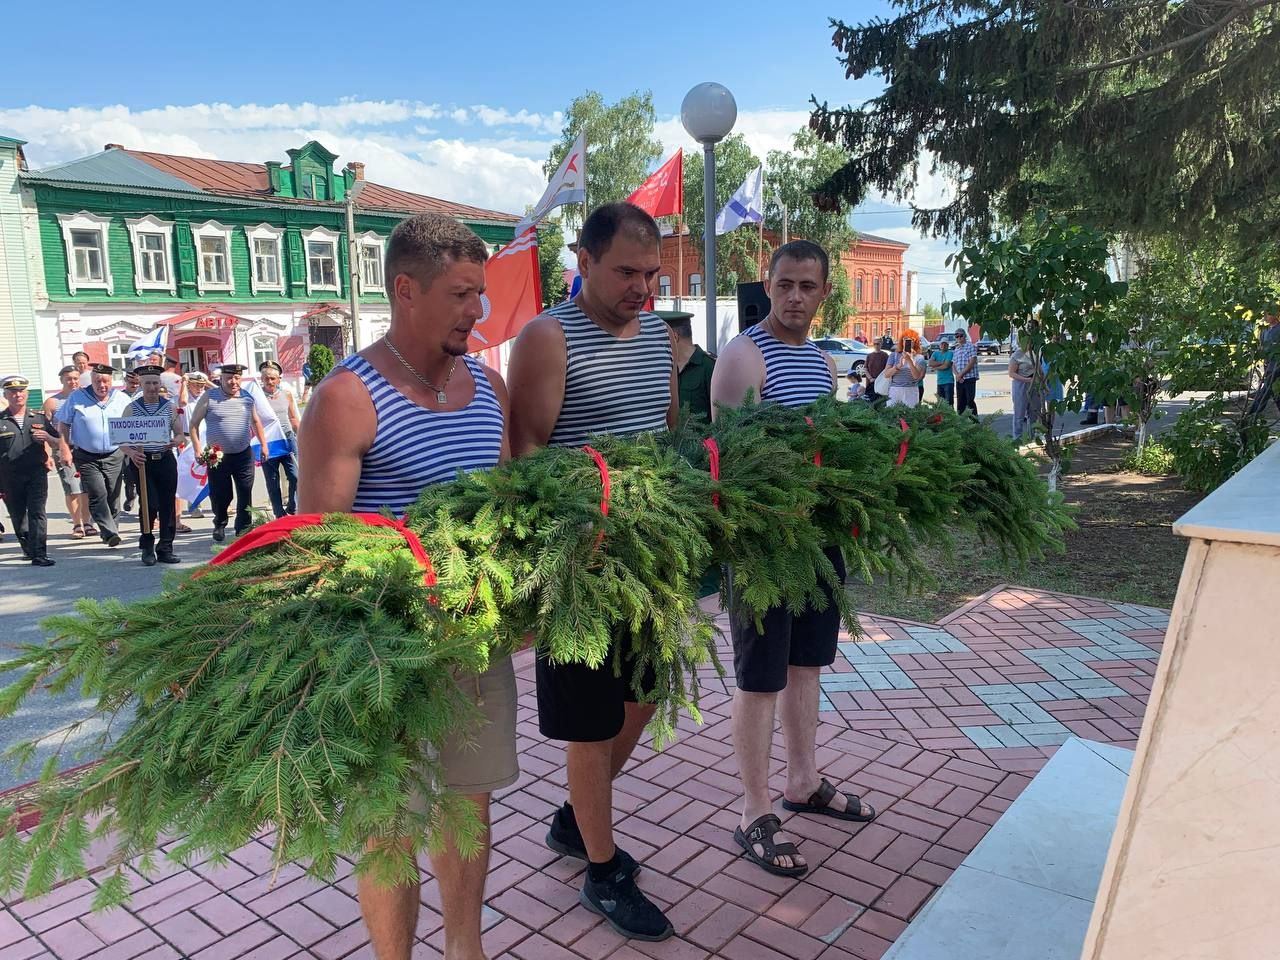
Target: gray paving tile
(980,916)
(982,737)
(843,681)
(1008,736)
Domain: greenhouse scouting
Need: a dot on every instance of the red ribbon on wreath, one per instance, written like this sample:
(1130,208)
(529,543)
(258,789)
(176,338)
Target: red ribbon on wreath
(713,455)
(604,483)
(817,454)
(280,529)
(902,450)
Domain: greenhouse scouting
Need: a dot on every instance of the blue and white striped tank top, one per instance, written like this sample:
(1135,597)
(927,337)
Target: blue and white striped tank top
(793,375)
(415,447)
(611,384)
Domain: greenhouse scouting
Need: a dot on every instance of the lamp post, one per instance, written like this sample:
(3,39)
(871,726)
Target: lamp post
(353,264)
(708,114)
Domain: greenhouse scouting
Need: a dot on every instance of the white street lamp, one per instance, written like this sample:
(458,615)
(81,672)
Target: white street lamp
(708,114)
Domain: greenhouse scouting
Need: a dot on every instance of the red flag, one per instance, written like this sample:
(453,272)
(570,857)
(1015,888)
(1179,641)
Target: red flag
(662,194)
(513,292)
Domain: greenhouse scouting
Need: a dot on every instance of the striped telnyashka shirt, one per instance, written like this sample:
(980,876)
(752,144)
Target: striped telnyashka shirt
(414,447)
(793,376)
(228,421)
(611,384)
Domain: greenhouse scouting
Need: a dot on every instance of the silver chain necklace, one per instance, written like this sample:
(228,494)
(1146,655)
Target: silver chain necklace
(440,390)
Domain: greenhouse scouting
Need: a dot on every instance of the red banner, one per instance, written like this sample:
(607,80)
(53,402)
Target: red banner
(513,292)
(662,195)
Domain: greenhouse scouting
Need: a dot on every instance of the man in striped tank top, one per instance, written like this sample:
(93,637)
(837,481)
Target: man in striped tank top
(775,361)
(408,411)
(597,364)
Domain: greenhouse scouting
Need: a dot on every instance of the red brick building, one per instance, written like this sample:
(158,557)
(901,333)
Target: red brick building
(873,264)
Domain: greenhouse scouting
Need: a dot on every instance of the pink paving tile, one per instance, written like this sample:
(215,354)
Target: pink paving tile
(11,930)
(187,932)
(72,940)
(112,925)
(721,926)
(224,914)
(24,949)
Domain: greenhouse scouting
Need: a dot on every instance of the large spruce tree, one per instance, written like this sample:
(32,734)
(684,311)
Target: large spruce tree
(1139,116)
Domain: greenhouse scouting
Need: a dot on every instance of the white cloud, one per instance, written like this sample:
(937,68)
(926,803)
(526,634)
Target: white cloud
(764,130)
(501,171)
(500,117)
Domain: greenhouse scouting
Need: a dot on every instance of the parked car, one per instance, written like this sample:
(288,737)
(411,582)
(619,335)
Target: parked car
(987,345)
(850,355)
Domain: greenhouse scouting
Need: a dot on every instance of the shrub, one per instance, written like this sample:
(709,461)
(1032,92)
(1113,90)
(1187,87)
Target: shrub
(320,360)
(1209,446)
(1153,460)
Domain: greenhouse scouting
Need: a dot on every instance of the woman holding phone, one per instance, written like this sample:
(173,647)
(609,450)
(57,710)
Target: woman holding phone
(905,370)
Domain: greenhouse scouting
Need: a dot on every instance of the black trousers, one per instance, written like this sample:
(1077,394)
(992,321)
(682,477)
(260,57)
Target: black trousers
(100,478)
(967,396)
(25,494)
(162,487)
(130,475)
(236,469)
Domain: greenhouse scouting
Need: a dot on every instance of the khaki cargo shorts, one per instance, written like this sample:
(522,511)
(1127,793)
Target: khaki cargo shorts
(484,759)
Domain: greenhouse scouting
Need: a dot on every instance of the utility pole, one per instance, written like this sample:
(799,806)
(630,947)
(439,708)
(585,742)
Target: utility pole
(353,263)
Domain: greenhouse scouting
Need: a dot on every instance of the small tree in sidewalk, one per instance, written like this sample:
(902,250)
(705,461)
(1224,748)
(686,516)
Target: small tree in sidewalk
(1048,280)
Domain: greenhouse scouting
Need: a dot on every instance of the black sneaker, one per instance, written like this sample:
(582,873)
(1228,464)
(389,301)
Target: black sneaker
(148,557)
(565,838)
(220,533)
(625,907)
(41,562)
(112,539)
(164,557)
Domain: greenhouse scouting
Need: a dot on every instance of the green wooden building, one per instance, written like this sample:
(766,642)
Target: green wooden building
(242,261)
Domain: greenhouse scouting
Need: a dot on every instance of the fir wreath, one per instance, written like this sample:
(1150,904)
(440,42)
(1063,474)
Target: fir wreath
(306,687)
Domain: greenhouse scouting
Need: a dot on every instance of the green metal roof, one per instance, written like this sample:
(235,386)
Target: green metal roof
(13,140)
(112,168)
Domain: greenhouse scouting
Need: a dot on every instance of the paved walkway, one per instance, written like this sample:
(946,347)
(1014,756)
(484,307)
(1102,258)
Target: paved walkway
(939,726)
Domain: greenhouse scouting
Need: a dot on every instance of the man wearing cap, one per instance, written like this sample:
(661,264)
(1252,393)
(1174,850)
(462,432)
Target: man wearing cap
(132,387)
(286,410)
(232,423)
(693,368)
(161,469)
(24,469)
(86,442)
(964,364)
(77,506)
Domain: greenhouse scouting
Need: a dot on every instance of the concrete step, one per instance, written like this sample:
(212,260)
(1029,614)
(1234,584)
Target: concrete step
(1026,891)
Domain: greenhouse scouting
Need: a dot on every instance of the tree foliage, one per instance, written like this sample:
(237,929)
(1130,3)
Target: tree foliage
(1193,312)
(839,306)
(1048,280)
(550,266)
(791,178)
(1140,115)
(739,252)
(621,147)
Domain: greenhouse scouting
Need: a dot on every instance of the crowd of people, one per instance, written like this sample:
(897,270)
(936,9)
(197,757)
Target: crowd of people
(101,480)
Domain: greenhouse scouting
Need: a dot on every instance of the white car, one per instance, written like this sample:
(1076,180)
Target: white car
(850,355)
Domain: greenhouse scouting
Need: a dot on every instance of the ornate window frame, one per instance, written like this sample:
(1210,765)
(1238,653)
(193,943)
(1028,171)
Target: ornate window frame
(371,239)
(84,220)
(327,236)
(152,224)
(265,231)
(212,228)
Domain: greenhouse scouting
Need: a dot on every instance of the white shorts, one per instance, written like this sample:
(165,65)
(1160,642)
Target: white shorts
(904,396)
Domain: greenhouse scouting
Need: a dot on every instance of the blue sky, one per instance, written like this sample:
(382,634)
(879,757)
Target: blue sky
(455,100)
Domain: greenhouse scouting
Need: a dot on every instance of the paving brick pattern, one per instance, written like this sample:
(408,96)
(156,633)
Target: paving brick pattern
(939,726)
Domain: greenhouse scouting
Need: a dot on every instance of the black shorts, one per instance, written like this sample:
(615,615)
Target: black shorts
(760,660)
(581,704)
